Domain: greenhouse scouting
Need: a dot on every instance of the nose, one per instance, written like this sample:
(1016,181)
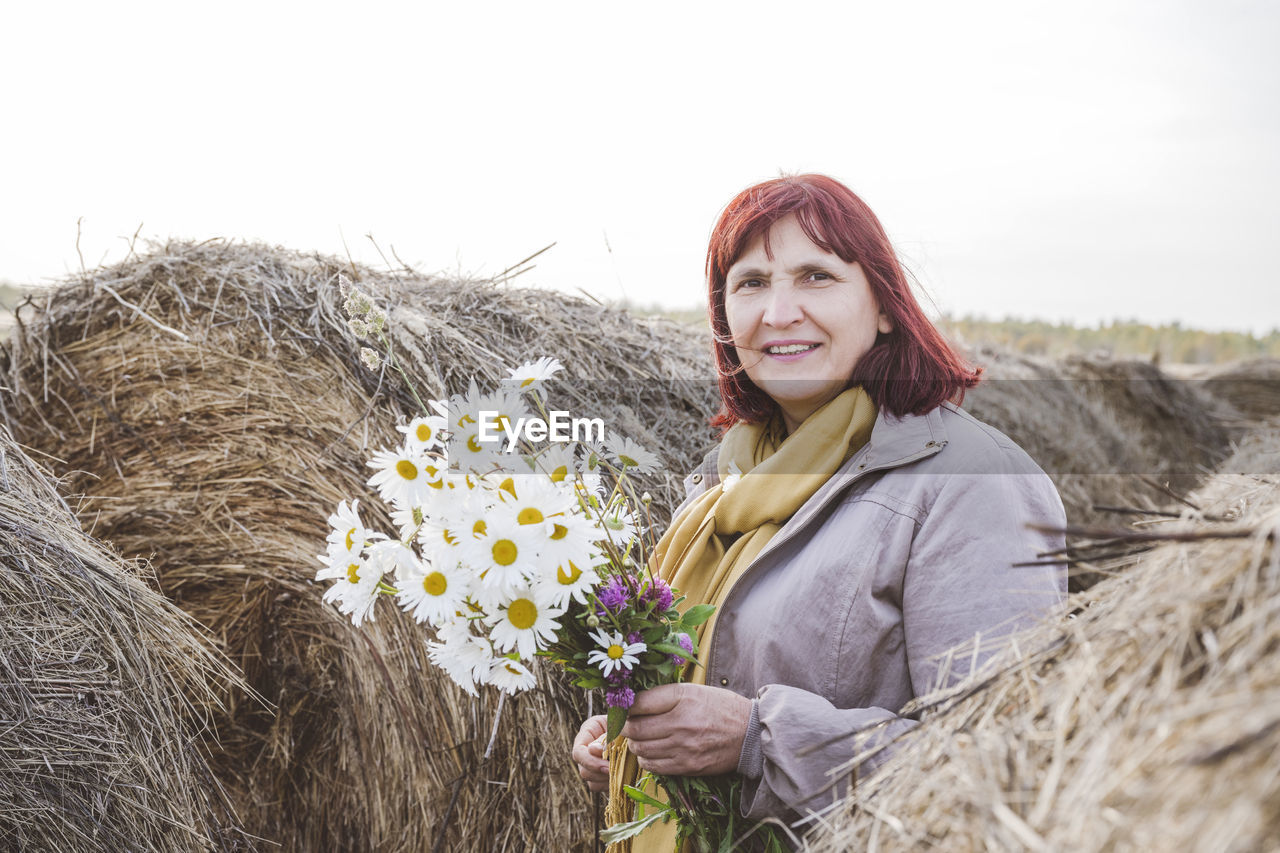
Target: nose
(783,307)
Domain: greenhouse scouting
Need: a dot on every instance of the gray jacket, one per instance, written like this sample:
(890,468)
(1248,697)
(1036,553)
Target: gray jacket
(846,614)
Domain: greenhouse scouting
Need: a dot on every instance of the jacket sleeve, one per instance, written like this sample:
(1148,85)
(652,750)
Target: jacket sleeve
(959,583)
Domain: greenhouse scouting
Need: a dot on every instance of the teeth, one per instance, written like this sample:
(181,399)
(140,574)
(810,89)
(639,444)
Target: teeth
(790,349)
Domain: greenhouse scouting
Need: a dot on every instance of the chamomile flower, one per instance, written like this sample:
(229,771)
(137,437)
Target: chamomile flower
(347,533)
(356,593)
(556,460)
(404,479)
(630,456)
(433,594)
(511,676)
(575,577)
(615,653)
(464,657)
(423,433)
(618,523)
(527,622)
(535,501)
(391,556)
(531,376)
(504,555)
(569,536)
(409,522)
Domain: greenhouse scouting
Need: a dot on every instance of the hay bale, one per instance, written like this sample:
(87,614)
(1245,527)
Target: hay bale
(1150,720)
(1110,433)
(1252,387)
(208,401)
(104,686)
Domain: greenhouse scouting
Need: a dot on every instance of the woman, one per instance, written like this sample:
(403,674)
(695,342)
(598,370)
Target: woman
(875,525)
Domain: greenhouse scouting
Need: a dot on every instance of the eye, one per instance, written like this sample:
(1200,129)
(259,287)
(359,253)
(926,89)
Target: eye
(749,284)
(818,275)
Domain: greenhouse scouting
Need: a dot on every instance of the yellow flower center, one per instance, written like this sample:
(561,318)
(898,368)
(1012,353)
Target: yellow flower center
(509,486)
(570,576)
(448,537)
(473,444)
(558,475)
(505,552)
(522,613)
(530,515)
(626,460)
(352,573)
(528,382)
(407,469)
(559,532)
(424,432)
(351,538)
(435,584)
(615,651)
(479,528)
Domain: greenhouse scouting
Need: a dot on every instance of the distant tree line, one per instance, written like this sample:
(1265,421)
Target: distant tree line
(1117,338)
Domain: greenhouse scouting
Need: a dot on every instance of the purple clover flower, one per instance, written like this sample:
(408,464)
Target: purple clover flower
(620,697)
(615,595)
(685,643)
(659,592)
(634,637)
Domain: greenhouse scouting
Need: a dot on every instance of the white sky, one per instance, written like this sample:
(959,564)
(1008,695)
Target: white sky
(1084,161)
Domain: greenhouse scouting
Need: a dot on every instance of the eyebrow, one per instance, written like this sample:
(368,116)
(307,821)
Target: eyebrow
(798,268)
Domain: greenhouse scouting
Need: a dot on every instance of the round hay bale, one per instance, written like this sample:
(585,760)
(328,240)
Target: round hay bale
(104,689)
(209,403)
(1148,720)
(1109,433)
(1252,387)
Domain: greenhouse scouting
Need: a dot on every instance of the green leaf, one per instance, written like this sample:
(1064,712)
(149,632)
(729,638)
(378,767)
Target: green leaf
(697,614)
(621,831)
(669,649)
(641,797)
(617,719)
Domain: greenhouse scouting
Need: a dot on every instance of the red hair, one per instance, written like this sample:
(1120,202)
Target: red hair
(910,370)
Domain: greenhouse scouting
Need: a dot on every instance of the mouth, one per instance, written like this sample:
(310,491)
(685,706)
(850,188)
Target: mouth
(788,349)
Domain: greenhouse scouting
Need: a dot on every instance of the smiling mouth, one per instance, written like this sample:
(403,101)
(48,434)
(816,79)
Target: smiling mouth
(790,349)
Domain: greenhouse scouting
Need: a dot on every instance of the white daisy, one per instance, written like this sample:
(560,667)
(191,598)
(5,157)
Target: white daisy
(423,433)
(403,479)
(615,653)
(535,501)
(357,592)
(347,535)
(527,623)
(575,577)
(618,523)
(557,460)
(630,456)
(433,594)
(529,377)
(461,655)
(511,676)
(504,555)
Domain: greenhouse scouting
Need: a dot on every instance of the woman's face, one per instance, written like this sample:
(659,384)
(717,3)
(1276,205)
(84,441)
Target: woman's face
(801,321)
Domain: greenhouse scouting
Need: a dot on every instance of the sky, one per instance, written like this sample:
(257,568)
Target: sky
(1081,161)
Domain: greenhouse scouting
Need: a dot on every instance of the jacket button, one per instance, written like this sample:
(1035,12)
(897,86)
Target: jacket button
(724,682)
(697,478)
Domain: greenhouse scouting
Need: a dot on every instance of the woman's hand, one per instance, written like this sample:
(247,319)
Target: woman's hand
(688,729)
(588,751)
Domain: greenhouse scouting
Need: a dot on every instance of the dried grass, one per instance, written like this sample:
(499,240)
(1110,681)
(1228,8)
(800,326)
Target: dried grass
(105,688)
(208,402)
(1149,720)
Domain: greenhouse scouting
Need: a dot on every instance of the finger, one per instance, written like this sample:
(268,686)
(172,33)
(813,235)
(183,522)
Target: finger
(656,700)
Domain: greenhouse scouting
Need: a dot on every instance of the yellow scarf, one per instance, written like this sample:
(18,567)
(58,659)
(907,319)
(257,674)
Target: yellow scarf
(700,556)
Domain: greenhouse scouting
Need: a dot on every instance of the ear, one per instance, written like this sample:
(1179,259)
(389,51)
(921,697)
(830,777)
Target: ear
(884,324)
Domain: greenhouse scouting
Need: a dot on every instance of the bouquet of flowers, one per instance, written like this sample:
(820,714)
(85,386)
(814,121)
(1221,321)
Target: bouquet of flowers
(520,535)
